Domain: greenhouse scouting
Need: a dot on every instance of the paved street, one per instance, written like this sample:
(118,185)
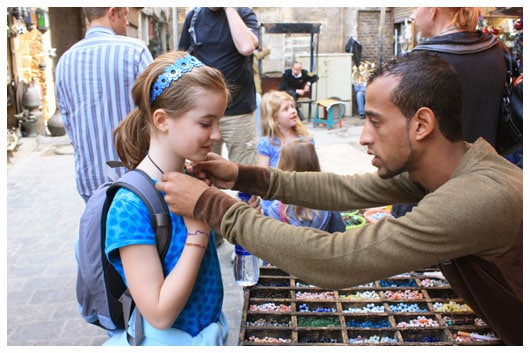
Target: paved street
(42,212)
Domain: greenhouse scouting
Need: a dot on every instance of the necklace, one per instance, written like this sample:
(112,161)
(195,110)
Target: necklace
(445,30)
(156,165)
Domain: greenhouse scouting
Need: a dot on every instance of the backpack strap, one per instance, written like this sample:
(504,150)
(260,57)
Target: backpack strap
(192,32)
(142,185)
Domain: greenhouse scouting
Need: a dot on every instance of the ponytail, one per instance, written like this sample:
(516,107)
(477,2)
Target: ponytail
(131,138)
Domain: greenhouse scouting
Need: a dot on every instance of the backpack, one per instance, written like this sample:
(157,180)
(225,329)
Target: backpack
(101,293)
(510,122)
(510,125)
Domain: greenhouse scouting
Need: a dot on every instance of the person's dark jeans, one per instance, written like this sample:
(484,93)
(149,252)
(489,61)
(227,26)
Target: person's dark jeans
(401,209)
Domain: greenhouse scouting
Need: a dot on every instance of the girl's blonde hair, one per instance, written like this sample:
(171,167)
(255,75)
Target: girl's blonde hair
(132,135)
(464,18)
(299,156)
(270,105)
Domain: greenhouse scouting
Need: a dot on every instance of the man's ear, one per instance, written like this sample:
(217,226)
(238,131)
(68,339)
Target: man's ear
(160,120)
(425,122)
(111,13)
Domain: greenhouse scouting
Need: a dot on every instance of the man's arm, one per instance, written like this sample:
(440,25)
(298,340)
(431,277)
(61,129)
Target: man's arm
(185,39)
(244,40)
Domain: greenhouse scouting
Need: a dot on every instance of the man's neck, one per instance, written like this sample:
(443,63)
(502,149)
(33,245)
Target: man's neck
(438,163)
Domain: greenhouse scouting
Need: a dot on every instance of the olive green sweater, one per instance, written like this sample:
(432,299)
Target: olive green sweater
(471,225)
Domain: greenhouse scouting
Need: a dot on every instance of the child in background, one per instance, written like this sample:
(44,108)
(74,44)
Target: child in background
(300,156)
(280,125)
(179,102)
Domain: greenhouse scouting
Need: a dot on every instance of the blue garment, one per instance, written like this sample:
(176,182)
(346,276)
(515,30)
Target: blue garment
(271,149)
(128,223)
(94,79)
(214,334)
(360,97)
(257,113)
(329,221)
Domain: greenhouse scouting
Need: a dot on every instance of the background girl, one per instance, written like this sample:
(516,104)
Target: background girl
(300,156)
(179,102)
(280,125)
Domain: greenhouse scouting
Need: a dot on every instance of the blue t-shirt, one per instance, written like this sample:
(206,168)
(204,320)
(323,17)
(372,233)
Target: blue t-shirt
(128,223)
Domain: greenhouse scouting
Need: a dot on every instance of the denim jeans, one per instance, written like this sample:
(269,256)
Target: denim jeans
(359,97)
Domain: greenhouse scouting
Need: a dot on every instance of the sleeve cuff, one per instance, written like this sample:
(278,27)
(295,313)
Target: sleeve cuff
(254,180)
(212,206)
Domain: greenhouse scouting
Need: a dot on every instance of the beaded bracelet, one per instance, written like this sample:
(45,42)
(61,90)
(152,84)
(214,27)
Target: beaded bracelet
(196,245)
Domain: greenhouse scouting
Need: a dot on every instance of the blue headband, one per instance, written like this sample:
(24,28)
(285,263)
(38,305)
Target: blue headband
(172,73)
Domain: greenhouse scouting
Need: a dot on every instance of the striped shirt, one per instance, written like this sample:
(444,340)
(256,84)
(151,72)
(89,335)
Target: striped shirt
(94,80)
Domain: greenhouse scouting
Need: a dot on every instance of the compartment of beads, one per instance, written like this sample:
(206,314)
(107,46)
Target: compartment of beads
(270,293)
(442,294)
(274,282)
(416,321)
(269,321)
(356,295)
(462,320)
(483,336)
(426,336)
(386,337)
(268,337)
(318,336)
(316,307)
(368,322)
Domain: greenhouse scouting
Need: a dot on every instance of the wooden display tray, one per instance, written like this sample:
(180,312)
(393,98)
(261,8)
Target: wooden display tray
(276,287)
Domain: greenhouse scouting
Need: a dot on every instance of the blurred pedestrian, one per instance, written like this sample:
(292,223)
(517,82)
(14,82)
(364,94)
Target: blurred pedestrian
(94,80)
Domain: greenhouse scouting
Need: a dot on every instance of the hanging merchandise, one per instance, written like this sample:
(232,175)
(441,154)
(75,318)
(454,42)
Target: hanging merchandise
(42,20)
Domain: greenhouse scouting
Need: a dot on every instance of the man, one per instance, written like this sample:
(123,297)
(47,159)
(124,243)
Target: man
(297,82)
(225,38)
(468,218)
(93,80)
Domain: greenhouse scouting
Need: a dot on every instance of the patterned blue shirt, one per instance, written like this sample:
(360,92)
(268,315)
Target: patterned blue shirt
(128,223)
(94,80)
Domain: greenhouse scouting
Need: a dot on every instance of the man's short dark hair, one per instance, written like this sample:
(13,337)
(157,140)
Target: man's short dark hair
(426,80)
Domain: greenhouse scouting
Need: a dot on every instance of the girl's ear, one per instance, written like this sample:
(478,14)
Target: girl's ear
(160,120)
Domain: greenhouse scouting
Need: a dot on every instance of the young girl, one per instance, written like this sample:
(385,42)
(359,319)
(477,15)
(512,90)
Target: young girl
(179,102)
(280,125)
(300,156)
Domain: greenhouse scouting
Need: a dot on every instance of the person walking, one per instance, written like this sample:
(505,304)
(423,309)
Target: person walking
(93,81)
(469,217)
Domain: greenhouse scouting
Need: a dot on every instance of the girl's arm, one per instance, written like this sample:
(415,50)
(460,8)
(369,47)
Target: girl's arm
(161,300)
(263,161)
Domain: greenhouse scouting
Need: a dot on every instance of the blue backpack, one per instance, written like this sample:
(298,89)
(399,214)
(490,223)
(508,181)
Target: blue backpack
(103,298)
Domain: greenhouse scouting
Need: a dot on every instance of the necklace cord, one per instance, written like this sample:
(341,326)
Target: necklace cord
(156,165)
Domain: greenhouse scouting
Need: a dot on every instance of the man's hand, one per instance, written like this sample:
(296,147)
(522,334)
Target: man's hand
(182,192)
(215,170)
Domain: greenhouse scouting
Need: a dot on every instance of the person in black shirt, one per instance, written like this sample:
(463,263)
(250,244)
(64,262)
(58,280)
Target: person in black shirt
(297,82)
